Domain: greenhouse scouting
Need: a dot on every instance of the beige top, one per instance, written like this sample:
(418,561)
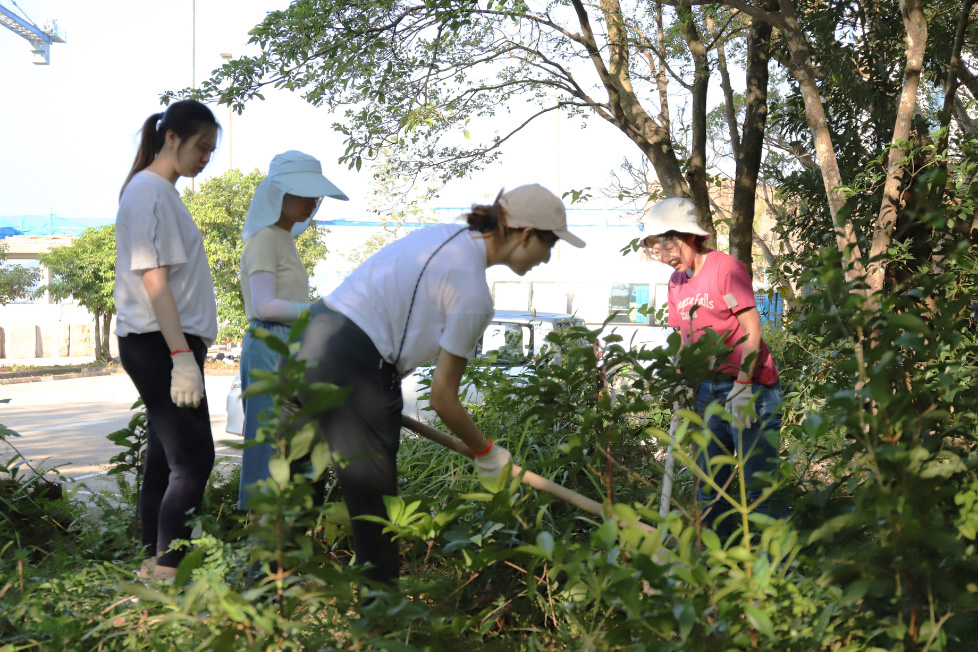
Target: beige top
(273,249)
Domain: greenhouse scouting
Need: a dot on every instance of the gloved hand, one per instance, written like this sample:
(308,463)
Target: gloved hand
(739,398)
(489,464)
(186,382)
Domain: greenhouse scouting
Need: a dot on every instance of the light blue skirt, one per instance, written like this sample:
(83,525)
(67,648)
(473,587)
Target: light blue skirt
(255,355)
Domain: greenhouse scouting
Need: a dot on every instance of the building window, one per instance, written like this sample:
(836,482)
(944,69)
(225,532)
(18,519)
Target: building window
(625,300)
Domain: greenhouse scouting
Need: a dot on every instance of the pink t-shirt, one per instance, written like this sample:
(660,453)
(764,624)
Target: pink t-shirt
(721,289)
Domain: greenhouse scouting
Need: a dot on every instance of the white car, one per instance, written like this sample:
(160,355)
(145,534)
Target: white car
(510,340)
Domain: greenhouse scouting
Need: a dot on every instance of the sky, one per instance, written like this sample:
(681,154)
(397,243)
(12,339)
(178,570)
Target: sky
(69,131)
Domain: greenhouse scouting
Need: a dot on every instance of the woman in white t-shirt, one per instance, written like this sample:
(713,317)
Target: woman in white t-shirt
(274,282)
(167,317)
(421,297)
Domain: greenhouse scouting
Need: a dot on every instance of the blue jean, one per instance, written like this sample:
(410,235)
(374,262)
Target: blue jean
(255,355)
(757,445)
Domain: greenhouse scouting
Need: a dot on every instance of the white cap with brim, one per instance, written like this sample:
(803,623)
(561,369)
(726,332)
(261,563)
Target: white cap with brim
(673,214)
(536,207)
(293,173)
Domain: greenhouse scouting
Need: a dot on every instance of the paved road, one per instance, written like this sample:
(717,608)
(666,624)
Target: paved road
(64,423)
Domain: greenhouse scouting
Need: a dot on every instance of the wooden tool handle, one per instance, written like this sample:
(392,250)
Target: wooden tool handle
(528,477)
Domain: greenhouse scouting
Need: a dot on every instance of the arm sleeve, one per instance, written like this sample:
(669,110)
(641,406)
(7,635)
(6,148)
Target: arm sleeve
(673,312)
(735,286)
(261,256)
(266,305)
(467,313)
(155,239)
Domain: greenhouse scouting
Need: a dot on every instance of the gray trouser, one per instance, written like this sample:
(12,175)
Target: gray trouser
(365,430)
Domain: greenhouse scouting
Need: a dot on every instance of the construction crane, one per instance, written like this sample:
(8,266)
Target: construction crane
(14,18)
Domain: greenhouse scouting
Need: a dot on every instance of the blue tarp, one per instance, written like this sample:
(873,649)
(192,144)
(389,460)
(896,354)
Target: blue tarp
(770,307)
(46,225)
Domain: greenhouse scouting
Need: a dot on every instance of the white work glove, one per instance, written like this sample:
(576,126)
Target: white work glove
(740,397)
(186,382)
(491,463)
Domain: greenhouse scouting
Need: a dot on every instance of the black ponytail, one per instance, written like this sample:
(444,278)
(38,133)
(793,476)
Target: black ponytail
(185,118)
(488,219)
(491,220)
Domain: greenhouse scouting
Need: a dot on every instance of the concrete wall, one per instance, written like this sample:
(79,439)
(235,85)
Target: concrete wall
(49,331)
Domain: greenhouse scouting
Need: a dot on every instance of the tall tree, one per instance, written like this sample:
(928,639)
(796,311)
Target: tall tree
(85,271)
(413,76)
(858,70)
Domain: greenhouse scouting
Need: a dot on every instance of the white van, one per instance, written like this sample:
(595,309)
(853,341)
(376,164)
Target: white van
(510,340)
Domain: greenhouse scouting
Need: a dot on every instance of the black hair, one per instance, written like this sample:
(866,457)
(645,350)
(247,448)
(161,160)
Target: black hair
(489,219)
(699,241)
(185,118)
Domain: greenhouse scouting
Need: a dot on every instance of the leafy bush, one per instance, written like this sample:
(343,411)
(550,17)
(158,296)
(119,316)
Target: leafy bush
(878,553)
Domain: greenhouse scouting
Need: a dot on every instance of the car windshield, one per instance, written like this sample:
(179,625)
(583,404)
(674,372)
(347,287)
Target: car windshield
(505,344)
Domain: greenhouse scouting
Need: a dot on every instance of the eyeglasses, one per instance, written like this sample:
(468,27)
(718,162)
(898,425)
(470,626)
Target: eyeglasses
(663,250)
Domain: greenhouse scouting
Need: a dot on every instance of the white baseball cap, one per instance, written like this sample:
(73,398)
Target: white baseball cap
(673,214)
(536,207)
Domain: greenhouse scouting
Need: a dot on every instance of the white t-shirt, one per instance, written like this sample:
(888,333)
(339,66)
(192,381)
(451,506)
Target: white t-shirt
(154,229)
(453,304)
(273,250)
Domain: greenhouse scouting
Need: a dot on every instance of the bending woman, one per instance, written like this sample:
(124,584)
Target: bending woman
(712,290)
(424,296)
(167,317)
(274,282)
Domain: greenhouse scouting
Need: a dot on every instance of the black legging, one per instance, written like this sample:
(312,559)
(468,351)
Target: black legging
(365,430)
(179,447)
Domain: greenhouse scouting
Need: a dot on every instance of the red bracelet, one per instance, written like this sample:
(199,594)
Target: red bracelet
(173,353)
(744,382)
(483,452)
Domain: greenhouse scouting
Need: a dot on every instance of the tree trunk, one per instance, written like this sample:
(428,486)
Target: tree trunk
(106,334)
(804,73)
(98,336)
(748,155)
(730,111)
(627,113)
(696,169)
(916,26)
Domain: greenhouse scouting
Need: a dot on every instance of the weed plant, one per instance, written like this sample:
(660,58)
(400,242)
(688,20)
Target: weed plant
(879,451)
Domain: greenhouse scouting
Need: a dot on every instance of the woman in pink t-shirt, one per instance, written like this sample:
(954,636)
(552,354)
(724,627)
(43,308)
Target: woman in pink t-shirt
(711,291)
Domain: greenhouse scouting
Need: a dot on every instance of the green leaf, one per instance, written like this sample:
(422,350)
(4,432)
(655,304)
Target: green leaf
(321,458)
(278,467)
(908,322)
(711,540)
(545,541)
(759,620)
(302,442)
(685,616)
(192,561)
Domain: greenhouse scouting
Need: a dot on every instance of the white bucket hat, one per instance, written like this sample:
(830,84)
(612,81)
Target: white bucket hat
(536,207)
(673,214)
(294,173)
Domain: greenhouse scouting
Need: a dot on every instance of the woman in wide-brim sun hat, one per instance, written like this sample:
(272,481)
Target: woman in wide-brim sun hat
(712,290)
(274,282)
